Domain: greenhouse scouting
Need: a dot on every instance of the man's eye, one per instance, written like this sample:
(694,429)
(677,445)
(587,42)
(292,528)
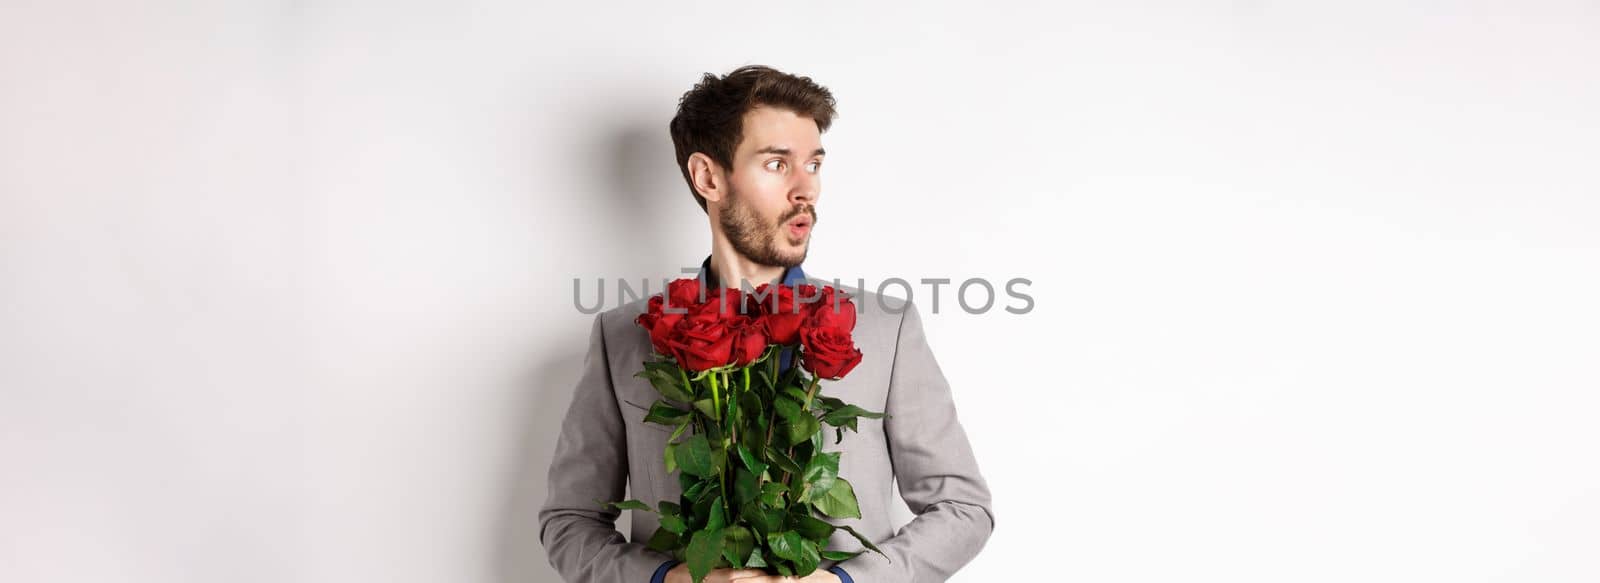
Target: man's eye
(815,166)
(770,164)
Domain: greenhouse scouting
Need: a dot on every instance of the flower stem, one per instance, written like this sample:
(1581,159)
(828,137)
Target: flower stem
(813,392)
(688,389)
(716,417)
(733,405)
(716,401)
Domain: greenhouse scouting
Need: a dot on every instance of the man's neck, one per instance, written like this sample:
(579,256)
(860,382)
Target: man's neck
(728,269)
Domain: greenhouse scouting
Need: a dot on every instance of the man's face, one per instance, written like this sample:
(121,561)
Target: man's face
(773,186)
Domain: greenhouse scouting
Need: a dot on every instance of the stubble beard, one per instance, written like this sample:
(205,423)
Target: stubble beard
(758,241)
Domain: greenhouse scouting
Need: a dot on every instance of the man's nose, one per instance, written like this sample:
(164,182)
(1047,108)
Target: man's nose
(805,191)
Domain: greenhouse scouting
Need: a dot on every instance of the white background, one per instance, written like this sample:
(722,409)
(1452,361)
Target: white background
(287,287)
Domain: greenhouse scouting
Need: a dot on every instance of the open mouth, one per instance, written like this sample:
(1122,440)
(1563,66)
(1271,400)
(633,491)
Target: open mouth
(799,226)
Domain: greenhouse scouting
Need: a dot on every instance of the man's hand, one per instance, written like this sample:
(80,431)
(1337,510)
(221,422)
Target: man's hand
(817,576)
(680,574)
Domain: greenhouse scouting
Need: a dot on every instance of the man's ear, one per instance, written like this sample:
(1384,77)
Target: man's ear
(707,177)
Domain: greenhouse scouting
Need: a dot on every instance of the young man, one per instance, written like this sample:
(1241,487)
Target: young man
(749,146)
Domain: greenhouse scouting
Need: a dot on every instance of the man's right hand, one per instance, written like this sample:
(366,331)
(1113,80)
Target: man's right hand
(680,574)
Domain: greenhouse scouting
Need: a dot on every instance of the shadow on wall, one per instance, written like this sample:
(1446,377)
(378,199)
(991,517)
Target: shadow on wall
(521,557)
(634,177)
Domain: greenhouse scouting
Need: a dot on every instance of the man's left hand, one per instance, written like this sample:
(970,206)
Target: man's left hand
(817,576)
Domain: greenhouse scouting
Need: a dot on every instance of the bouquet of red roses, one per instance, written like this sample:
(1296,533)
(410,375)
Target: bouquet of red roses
(756,481)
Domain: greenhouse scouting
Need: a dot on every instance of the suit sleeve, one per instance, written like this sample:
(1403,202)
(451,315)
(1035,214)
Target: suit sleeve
(935,468)
(591,462)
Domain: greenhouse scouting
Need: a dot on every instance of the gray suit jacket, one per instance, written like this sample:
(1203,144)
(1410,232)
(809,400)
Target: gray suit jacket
(605,443)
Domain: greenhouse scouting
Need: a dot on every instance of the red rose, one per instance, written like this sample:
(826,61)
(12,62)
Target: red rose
(701,343)
(684,292)
(726,303)
(732,327)
(750,340)
(666,310)
(833,310)
(647,320)
(742,319)
(829,353)
(721,330)
(783,312)
(659,323)
(808,295)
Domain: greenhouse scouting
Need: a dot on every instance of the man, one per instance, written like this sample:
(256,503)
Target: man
(749,146)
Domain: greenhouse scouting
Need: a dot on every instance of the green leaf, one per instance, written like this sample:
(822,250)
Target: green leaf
(864,541)
(673,523)
(694,456)
(803,429)
(628,505)
(794,547)
(798,424)
(700,512)
(765,520)
(663,540)
(808,559)
(713,488)
(848,412)
(783,461)
(786,544)
(666,381)
(820,474)
(665,363)
(786,407)
(772,494)
(761,423)
(744,487)
(694,489)
(798,395)
(811,527)
(752,404)
(751,461)
(669,458)
(838,501)
(756,559)
(663,413)
(717,519)
(672,517)
(840,555)
(737,542)
(801,454)
(704,549)
(826,403)
(707,406)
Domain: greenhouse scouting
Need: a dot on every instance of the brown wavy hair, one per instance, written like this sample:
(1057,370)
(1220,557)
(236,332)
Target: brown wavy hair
(710,117)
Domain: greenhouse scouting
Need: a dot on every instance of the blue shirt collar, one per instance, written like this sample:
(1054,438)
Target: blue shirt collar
(791,276)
